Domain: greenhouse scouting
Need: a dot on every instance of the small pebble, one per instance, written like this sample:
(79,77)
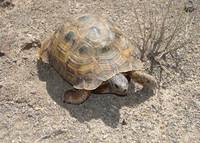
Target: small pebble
(33,92)
(124,122)
(2,54)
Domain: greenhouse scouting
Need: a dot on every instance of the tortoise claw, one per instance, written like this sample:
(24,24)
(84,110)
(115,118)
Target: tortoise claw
(149,82)
(75,96)
(148,91)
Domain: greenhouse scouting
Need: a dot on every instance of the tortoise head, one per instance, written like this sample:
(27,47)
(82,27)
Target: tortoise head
(119,84)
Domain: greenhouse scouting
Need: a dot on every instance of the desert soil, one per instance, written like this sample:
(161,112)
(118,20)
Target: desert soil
(31,108)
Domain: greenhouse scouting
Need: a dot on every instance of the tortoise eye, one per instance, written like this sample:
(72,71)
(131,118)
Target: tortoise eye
(116,86)
(70,36)
(83,50)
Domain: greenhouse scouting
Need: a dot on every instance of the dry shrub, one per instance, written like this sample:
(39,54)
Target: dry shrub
(163,29)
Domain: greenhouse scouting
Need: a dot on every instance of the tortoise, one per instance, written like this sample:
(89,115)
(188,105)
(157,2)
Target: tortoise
(94,56)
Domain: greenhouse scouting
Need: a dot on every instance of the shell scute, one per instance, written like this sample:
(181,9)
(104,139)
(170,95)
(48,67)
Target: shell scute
(90,50)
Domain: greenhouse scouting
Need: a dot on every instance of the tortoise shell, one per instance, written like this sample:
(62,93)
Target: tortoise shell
(89,50)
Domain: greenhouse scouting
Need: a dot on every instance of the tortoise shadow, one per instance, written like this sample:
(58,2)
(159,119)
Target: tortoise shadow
(103,106)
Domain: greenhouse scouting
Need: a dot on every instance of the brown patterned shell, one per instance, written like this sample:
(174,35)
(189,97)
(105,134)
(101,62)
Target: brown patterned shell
(89,50)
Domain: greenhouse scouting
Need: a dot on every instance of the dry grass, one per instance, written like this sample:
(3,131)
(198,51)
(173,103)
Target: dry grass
(160,37)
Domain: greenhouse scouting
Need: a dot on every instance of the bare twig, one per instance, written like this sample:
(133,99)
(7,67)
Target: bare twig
(160,36)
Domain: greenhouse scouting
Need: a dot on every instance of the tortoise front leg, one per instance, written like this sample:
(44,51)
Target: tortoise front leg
(76,96)
(147,81)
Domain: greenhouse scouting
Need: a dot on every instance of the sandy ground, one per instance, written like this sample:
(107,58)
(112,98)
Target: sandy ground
(31,109)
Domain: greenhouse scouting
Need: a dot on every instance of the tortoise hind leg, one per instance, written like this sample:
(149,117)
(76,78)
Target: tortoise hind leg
(75,96)
(148,82)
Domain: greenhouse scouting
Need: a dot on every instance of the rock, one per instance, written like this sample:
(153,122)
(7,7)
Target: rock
(189,6)
(6,3)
